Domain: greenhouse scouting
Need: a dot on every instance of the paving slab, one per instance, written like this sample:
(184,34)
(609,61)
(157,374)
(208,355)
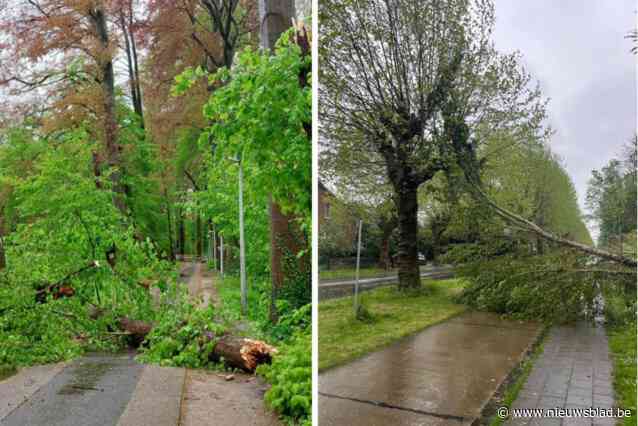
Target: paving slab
(360,413)
(157,398)
(446,372)
(20,387)
(574,370)
(91,391)
(210,399)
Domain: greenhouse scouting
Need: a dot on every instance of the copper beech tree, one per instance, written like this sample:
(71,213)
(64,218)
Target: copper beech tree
(62,53)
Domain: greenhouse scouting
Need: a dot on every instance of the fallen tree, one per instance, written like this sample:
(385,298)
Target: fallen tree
(234,351)
(465,151)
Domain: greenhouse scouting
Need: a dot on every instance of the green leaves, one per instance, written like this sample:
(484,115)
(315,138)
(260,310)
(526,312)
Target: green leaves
(291,378)
(259,115)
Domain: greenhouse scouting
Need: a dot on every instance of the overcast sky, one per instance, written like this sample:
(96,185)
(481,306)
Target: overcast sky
(577,51)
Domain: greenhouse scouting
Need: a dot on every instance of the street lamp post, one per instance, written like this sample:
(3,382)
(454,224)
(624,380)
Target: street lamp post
(221,255)
(242,245)
(356,280)
(214,242)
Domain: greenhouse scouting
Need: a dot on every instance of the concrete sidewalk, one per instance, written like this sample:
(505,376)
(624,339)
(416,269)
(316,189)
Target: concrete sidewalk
(443,375)
(95,390)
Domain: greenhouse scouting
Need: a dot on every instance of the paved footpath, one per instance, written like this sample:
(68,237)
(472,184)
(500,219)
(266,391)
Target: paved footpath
(574,371)
(95,390)
(115,390)
(441,376)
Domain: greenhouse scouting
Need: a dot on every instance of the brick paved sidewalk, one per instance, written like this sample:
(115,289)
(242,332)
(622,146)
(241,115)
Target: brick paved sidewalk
(574,371)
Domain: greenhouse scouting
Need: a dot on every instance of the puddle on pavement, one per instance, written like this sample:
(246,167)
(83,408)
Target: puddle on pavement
(86,377)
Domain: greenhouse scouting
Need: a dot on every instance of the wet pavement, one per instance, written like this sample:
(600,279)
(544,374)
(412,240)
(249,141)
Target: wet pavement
(91,391)
(574,371)
(443,375)
(211,399)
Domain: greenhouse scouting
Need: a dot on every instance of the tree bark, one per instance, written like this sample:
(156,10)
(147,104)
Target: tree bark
(275,17)
(240,352)
(549,236)
(387,227)
(237,352)
(169,223)
(407,206)
(112,146)
(181,234)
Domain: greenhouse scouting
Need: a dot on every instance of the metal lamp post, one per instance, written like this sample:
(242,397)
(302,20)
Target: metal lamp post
(242,244)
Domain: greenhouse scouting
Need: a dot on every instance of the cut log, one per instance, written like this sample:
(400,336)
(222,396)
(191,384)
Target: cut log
(239,352)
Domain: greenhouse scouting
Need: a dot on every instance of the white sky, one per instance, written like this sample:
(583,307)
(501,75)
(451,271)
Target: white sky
(578,51)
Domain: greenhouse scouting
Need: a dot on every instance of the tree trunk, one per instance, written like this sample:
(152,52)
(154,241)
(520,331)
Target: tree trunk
(181,234)
(275,17)
(169,223)
(198,235)
(407,206)
(236,352)
(384,258)
(387,227)
(112,147)
(242,353)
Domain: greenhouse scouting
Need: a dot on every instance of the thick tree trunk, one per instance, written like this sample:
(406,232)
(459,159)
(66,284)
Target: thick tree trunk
(112,146)
(275,18)
(407,206)
(240,352)
(283,239)
(237,352)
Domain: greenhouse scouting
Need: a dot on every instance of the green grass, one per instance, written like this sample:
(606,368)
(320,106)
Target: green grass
(622,343)
(229,292)
(394,315)
(349,273)
(6,371)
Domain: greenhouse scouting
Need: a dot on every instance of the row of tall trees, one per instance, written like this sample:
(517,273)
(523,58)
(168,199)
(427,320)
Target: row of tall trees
(105,71)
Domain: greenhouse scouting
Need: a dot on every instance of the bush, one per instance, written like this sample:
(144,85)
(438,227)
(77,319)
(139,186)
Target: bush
(619,310)
(298,320)
(291,378)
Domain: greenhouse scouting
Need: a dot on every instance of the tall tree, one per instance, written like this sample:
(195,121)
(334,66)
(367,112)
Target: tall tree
(45,37)
(275,18)
(389,69)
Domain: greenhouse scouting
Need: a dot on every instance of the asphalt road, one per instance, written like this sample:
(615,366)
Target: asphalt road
(342,288)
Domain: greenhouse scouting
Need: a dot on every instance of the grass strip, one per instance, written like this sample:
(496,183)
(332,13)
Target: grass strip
(391,315)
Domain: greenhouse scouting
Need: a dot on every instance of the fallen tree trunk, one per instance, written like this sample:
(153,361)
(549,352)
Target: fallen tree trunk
(236,352)
(240,352)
